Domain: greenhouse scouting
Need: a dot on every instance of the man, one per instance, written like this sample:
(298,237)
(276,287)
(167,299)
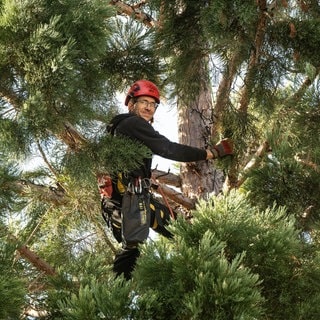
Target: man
(142,100)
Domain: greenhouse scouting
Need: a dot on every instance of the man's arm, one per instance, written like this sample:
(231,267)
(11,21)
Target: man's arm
(139,129)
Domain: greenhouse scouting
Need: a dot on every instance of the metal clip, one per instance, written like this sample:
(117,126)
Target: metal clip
(138,186)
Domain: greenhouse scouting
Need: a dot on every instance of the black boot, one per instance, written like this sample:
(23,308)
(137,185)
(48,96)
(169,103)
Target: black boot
(125,262)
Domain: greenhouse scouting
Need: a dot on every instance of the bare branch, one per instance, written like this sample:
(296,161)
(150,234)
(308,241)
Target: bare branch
(254,162)
(304,86)
(308,163)
(45,159)
(72,137)
(10,97)
(231,181)
(177,197)
(134,12)
(33,258)
(167,178)
(53,195)
(36,261)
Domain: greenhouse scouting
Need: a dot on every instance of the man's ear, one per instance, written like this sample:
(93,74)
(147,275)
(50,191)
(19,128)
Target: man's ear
(131,106)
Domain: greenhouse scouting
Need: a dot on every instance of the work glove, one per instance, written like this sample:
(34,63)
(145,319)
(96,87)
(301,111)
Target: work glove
(223,148)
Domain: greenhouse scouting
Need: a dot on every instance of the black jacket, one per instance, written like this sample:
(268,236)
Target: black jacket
(137,128)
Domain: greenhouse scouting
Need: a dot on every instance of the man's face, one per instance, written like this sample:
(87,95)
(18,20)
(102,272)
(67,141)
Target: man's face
(144,107)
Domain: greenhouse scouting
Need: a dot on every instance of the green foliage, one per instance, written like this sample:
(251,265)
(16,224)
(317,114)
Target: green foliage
(304,40)
(183,33)
(305,122)
(241,258)
(227,21)
(9,174)
(109,154)
(195,282)
(76,278)
(131,55)
(15,138)
(55,63)
(98,300)
(285,183)
(288,174)
(233,262)
(12,286)
(12,296)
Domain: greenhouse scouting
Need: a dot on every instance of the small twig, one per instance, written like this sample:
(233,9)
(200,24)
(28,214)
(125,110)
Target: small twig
(8,111)
(36,227)
(45,159)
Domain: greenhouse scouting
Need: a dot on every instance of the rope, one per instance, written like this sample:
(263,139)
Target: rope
(166,202)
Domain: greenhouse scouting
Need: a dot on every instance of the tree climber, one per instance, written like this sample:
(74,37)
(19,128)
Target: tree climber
(133,203)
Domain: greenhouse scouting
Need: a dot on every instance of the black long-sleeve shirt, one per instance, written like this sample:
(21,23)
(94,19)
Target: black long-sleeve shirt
(139,129)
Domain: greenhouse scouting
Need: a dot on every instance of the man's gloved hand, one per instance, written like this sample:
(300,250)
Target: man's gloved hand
(223,148)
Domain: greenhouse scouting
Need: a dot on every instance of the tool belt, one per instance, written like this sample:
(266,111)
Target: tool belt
(131,216)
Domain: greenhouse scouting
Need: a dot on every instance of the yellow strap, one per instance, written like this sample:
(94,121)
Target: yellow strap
(121,187)
(155,222)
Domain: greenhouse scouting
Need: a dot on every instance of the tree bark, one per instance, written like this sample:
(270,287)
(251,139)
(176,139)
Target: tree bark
(198,178)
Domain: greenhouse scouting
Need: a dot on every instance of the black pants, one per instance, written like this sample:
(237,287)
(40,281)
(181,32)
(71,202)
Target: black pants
(138,215)
(125,262)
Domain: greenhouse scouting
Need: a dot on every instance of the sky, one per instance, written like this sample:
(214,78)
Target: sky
(165,122)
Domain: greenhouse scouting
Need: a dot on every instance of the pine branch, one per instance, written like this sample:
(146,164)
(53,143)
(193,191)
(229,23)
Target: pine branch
(57,197)
(7,112)
(45,159)
(102,233)
(304,86)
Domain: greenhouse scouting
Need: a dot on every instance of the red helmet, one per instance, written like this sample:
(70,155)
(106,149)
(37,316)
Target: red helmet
(143,88)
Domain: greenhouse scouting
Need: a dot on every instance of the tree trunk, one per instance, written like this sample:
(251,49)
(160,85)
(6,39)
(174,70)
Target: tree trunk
(195,121)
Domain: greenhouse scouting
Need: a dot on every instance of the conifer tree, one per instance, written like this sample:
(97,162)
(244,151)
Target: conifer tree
(241,69)
(55,74)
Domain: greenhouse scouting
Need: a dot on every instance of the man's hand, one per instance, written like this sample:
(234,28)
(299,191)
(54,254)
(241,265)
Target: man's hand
(223,148)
